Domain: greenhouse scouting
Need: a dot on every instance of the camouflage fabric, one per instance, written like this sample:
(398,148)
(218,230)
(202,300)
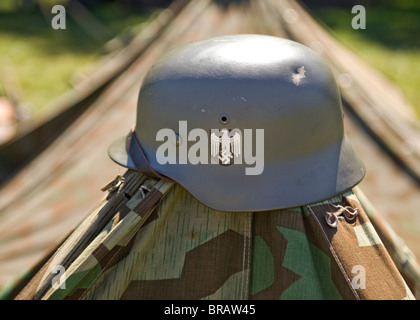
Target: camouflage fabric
(153,240)
(404,259)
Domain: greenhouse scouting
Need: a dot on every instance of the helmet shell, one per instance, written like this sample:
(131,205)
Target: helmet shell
(255,83)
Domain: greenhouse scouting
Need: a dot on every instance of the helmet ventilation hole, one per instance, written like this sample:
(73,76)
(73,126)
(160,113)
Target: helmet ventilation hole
(224,118)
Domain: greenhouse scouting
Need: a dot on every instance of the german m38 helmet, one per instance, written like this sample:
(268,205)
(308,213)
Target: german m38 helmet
(244,123)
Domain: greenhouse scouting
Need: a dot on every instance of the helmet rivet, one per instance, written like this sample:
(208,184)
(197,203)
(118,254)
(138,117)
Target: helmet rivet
(224,118)
(178,139)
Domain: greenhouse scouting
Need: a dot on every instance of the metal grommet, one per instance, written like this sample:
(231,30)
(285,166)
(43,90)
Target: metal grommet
(114,184)
(331,219)
(224,118)
(350,214)
(144,190)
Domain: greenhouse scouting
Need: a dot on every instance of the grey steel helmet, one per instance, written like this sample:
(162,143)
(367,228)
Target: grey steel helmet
(278,96)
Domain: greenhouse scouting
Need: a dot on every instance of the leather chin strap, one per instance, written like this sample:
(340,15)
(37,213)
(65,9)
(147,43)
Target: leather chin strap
(139,158)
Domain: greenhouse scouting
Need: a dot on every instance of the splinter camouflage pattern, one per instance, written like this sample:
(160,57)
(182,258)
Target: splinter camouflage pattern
(152,239)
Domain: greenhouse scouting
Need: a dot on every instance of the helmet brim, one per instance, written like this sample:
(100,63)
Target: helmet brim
(293,183)
(118,151)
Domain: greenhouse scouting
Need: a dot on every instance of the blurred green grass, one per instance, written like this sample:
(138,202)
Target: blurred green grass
(40,62)
(390,42)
